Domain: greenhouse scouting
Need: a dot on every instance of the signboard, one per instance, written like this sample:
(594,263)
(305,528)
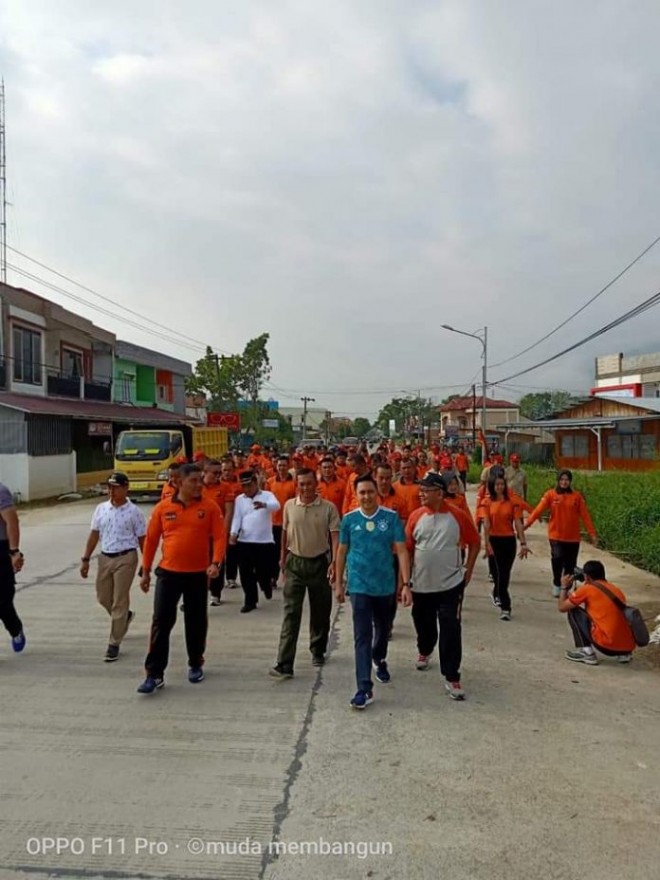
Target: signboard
(633,389)
(99,429)
(392,426)
(229,420)
(270,423)
(451,431)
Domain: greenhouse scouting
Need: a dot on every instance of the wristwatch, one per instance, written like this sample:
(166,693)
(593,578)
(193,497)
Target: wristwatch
(407,584)
(15,552)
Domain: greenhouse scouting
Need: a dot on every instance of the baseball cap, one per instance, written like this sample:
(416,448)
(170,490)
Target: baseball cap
(199,456)
(247,476)
(433,481)
(117,479)
(514,457)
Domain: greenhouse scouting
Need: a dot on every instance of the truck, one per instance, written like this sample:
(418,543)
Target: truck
(144,454)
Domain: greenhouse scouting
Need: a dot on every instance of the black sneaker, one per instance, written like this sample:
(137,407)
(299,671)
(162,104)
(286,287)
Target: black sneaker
(195,674)
(268,591)
(382,672)
(280,671)
(112,653)
(247,608)
(318,660)
(216,602)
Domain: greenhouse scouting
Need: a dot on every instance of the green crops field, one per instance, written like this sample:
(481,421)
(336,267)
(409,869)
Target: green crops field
(625,509)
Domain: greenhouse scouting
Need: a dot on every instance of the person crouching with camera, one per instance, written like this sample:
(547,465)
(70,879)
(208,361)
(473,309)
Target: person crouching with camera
(593,606)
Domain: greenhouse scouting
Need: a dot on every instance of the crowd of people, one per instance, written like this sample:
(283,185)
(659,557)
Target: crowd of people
(384,527)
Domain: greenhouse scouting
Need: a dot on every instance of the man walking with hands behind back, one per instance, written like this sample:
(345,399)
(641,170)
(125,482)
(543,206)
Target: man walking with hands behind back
(11,562)
(310,527)
(187,523)
(120,527)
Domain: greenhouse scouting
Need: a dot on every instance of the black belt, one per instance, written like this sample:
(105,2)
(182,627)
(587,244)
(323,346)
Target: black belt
(121,553)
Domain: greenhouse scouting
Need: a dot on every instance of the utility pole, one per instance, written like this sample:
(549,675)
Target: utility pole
(484,389)
(328,416)
(305,401)
(474,416)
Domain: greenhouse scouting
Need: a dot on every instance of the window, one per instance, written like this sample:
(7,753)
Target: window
(72,364)
(574,446)
(631,446)
(164,394)
(127,380)
(27,356)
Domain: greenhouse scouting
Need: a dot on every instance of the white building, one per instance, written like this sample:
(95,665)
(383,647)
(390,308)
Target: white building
(628,376)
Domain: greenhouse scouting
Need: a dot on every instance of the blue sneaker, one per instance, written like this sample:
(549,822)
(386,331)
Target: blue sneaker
(382,672)
(362,699)
(195,674)
(150,685)
(18,642)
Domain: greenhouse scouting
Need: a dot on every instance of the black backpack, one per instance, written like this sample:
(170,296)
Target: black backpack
(632,615)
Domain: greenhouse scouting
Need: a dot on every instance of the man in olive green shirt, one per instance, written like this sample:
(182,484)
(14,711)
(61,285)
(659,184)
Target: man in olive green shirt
(310,530)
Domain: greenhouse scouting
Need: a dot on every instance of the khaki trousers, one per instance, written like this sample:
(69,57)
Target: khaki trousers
(113,585)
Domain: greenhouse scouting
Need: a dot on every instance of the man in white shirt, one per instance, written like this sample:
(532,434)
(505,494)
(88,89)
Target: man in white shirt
(120,527)
(252,532)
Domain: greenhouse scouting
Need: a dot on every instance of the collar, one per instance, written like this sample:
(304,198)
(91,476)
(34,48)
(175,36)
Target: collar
(315,503)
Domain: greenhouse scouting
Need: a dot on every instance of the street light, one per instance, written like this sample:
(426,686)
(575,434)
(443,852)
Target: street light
(484,376)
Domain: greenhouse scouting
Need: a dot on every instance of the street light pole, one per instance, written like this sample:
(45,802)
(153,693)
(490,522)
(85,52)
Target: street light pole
(484,375)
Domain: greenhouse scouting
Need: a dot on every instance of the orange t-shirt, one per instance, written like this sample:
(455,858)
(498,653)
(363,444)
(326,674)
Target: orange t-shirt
(186,530)
(168,491)
(232,489)
(500,516)
(410,493)
(459,501)
(343,471)
(283,490)
(333,491)
(462,463)
(566,511)
(609,628)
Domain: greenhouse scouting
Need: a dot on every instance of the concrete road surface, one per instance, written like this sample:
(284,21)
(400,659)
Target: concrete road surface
(548,770)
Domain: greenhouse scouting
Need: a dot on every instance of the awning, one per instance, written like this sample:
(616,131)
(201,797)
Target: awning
(89,409)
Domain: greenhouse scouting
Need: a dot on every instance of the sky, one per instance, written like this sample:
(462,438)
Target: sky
(345,176)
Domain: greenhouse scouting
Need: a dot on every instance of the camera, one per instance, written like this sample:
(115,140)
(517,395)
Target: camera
(578,575)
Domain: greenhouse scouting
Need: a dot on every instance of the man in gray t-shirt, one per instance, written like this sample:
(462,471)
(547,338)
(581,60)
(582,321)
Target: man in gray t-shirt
(11,561)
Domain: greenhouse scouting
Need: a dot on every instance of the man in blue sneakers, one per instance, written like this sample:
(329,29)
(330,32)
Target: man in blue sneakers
(11,561)
(367,538)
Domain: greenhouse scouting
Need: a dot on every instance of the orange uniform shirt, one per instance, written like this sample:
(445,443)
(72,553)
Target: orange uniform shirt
(567,509)
(333,491)
(462,462)
(459,501)
(283,490)
(186,531)
(609,628)
(343,471)
(232,489)
(410,493)
(500,516)
(168,491)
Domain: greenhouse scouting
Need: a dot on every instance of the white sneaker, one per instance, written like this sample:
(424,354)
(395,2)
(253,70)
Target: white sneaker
(232,585)
(505,615)
(455,690)
(582,657)
(624,658)
(556,591)
(422,662)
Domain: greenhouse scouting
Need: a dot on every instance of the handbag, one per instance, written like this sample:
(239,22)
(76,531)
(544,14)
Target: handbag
(633,616)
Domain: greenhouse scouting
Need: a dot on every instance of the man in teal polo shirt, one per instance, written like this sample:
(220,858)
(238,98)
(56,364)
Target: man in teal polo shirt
(367,538)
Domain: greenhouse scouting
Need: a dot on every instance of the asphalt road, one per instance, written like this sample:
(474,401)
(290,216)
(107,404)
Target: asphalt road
(548,769)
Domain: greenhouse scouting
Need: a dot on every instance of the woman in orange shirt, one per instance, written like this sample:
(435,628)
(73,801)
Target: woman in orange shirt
(567,509)
(502,518)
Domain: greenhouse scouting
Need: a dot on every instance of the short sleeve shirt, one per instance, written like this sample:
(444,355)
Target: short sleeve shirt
(369,539)
(119,528)
(6,501)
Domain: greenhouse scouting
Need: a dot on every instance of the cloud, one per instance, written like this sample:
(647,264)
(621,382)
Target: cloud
(347,177)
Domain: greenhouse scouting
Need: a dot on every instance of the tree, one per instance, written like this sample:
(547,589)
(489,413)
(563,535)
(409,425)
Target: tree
(361,426)
(410,414)
(218,379)
(255,369)
(543,404)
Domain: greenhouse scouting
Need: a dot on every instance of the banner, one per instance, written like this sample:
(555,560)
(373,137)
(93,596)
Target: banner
(229,420)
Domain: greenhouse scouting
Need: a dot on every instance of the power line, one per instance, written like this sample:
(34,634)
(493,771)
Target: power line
(582,308)
(349,391)
(644,306)
(101,296)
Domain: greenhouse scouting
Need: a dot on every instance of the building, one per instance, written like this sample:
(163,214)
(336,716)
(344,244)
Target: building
(607,433)
(628,376)
(463,415)
(315,420)
(143,377)
(58,384)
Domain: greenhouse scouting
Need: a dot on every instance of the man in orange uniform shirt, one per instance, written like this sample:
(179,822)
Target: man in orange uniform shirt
(330,487)
(186,523)
(283,487)
(408,486)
